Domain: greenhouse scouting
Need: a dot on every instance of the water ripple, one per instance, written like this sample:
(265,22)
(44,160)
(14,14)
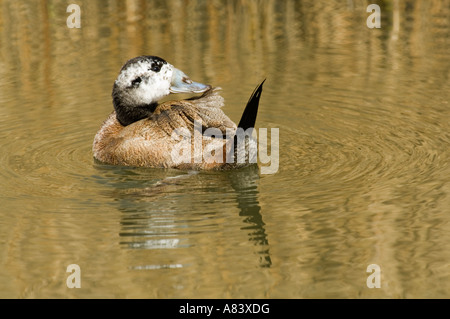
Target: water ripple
(42,164)
(358,144)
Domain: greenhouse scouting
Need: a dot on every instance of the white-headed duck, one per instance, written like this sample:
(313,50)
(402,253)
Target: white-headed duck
(141,132)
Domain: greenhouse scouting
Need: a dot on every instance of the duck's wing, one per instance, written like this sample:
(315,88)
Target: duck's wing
(204,110)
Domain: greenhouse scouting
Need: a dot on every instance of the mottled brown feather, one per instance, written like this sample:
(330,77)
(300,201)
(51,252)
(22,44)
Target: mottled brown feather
(149,142)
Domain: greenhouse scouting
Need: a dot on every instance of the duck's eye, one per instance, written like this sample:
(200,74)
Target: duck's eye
(155,67)
(136,81)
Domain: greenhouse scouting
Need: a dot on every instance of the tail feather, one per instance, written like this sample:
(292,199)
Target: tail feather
(247,121)
(248,118)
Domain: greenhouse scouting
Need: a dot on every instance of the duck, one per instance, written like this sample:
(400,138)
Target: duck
(192,133)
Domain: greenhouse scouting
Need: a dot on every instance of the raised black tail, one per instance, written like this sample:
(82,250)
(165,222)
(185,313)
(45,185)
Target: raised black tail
(247,121)
(248,118)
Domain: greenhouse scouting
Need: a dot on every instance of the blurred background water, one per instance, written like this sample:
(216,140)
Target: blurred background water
(364,135)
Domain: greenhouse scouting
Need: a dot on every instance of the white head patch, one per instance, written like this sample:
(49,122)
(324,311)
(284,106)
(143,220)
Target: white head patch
(143,83)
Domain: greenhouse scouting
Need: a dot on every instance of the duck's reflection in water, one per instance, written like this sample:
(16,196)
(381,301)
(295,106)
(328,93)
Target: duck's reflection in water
(164,209)
(244,182)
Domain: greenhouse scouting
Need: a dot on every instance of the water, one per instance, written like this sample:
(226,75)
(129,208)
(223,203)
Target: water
(364,153)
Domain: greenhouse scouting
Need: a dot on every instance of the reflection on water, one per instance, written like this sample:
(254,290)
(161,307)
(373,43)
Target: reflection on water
(363,118)
(153,217)
(243,182)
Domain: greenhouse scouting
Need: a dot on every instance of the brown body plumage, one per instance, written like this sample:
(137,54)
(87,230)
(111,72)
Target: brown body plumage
(149,142)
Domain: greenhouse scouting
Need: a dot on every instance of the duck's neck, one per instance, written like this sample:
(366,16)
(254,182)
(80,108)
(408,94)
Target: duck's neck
(127,114)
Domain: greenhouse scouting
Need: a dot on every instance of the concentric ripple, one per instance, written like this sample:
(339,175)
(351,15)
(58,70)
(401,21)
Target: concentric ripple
(44,163)
(371,144)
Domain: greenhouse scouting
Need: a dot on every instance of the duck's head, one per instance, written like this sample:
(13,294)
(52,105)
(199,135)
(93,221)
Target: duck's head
(142,82)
